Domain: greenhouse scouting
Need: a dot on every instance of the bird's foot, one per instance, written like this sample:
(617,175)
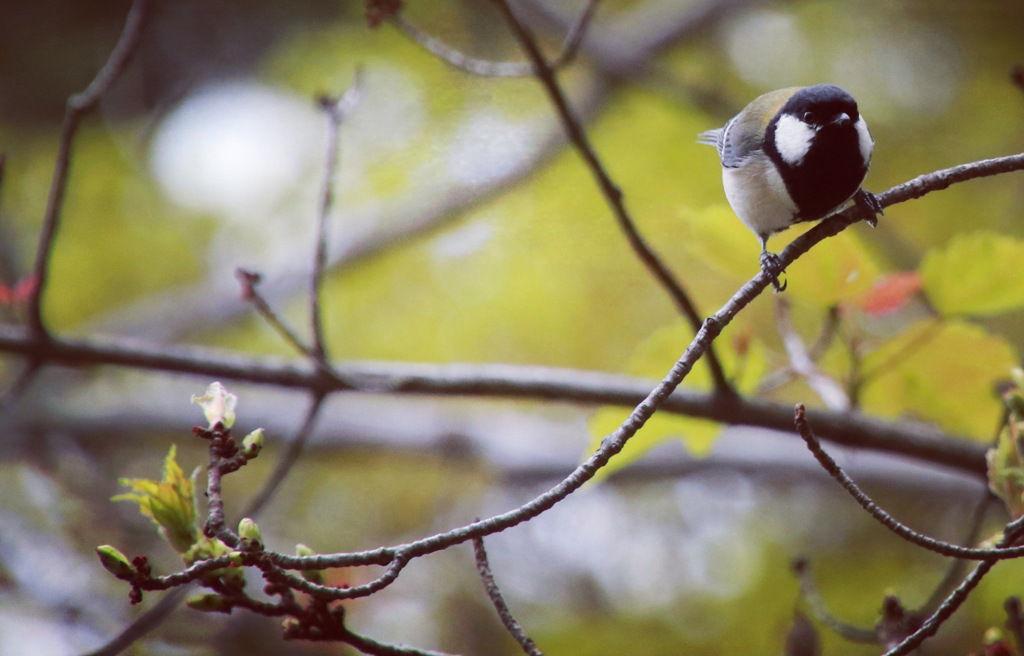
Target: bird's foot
(772,266)
(871,205)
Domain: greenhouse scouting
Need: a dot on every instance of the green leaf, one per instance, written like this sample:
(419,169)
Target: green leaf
(977,273)
(170,503)
(943,372)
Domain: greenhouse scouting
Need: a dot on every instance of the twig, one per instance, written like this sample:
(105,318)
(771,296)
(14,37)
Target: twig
(884,518)
(143,624)
(215,501)
(613,195)
(336,110)
(801,363)
(916,188)
(272,567)
(248,281)
(1011,535)
(494,594)
(956,598)
(916,343)
(816,603)
(956,569)
(156,616)
(371,646)
(485,68)
(948,607)
(397,557)
(18,386)
(1015,621)
(829,329)
(78,105)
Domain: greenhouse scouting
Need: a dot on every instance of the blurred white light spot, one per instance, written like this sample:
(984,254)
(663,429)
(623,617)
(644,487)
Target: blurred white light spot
(488,147)
(236,148)
(22,634)
(767,48)
(463,241)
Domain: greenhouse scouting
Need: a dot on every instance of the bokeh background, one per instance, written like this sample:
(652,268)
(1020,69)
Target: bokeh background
(466,231)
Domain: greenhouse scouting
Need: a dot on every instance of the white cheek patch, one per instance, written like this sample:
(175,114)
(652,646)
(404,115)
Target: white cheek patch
(864,140)
(793,139)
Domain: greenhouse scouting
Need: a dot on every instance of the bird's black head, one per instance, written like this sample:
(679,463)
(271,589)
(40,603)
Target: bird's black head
(822,105)
(821,147)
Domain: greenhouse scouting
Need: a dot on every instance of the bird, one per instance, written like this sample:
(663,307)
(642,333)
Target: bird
(792,155)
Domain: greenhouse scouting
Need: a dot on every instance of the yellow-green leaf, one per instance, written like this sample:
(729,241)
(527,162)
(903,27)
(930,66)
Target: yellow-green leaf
(170,503)
(835,270)
(977,273)
(943,372)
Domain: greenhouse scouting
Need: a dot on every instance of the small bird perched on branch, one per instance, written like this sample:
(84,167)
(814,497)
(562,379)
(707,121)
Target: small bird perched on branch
(792,155)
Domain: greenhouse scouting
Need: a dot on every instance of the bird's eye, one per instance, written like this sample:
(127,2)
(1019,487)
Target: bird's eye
(808,117)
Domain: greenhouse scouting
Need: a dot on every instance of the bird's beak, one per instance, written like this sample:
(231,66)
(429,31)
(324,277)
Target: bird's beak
(842,119)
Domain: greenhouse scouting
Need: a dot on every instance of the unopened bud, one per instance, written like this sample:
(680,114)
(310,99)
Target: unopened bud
(210,602)
(115,562)
(248,530)
(311,575)
(252,444)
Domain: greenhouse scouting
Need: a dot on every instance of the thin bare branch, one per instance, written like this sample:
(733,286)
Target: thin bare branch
(336,110)
(816,603)
(143,624)
(494,594)
(376,648)
(78,106)
(877,512)
(948,607)
(957,568)
(829,330)
(613,195)
(486,68)
(828,390)
(248,281)
(1015,621)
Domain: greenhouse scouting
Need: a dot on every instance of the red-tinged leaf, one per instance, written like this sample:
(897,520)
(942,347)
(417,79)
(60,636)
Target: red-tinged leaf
(25,288)
(891,293)
(378,11)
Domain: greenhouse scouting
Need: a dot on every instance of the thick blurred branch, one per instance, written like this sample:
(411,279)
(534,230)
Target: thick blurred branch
(483,67)
(501,381)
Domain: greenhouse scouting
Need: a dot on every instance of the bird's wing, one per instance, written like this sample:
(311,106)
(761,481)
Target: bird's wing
(752,122)
(731,150)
